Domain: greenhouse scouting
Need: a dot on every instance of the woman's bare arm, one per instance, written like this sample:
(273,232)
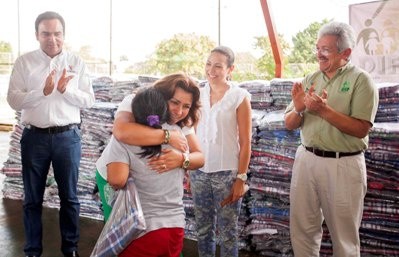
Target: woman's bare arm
(117,174)
(173,158)
(131,133)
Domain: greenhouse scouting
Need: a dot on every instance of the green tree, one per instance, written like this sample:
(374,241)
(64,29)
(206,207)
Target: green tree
(304,42)
(6,57)
(5,47)
(183,52)
(266,64)
(245,67)
(302,59)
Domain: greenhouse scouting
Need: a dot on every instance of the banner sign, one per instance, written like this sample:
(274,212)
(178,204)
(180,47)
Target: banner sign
(377,44)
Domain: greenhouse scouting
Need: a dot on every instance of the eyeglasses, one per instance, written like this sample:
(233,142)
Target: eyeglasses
(322,51)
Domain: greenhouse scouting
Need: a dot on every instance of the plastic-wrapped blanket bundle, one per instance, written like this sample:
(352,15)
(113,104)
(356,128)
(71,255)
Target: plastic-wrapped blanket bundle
(379,231)
(261,98)
(281,91)
(101,88)
(125,223)
(388,108)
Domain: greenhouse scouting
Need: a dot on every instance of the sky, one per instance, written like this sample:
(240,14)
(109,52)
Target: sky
(138,26)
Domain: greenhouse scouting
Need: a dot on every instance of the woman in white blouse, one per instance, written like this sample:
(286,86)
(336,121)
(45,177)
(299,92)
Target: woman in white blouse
(224,132)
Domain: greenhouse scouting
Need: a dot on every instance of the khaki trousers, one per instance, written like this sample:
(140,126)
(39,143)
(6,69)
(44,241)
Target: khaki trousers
(327,188)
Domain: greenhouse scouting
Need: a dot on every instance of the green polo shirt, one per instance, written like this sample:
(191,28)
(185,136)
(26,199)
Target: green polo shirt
(352,92)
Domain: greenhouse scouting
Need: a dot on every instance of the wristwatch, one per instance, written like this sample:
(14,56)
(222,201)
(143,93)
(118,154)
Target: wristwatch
(186,160)
(298,113)
(242,176)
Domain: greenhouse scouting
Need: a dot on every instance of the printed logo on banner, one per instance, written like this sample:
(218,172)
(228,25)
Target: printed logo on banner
(377,42)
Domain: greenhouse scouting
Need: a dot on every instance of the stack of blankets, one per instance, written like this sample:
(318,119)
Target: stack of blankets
(270,173)
(379,232)
(264,219)
(273,152)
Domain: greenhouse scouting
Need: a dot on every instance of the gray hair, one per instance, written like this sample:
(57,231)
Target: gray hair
(344,33)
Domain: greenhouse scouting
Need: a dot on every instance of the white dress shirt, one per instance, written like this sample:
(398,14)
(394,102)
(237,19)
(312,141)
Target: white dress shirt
(27,81)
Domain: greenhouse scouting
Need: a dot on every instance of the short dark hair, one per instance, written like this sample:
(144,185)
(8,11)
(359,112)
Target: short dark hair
(49,15)
(150,108)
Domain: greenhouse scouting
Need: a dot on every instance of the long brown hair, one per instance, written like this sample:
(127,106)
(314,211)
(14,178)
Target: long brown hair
(167,86)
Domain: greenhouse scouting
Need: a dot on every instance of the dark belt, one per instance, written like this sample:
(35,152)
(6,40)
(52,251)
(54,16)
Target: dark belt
(328,154)
(53,130)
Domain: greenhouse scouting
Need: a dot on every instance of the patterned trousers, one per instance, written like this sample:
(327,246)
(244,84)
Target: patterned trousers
(209,190)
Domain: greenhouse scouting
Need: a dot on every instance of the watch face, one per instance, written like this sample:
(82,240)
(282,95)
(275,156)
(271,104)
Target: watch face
(242,176)
(186,164)
(186,161)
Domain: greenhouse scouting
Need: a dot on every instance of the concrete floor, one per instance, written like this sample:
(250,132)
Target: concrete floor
(12,230)
(12,233)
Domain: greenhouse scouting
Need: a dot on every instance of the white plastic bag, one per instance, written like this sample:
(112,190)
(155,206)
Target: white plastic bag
(124,224)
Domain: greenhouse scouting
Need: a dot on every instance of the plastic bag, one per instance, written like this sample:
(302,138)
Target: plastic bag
(125,223)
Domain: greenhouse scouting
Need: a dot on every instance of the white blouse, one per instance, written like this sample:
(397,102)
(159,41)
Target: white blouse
(218,131)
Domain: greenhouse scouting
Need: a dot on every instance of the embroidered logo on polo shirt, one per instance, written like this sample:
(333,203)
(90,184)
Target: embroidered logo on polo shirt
(70,69)
(345,87)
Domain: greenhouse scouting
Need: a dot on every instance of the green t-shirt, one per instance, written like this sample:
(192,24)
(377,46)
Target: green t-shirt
(352,92)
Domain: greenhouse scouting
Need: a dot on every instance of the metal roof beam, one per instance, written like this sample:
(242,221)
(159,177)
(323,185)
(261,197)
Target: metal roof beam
(274,40)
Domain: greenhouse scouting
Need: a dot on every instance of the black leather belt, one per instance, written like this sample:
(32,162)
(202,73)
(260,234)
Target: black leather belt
(328,154)
(52,130)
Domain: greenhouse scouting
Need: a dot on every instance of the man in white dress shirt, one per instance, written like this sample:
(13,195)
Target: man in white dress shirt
(50,86)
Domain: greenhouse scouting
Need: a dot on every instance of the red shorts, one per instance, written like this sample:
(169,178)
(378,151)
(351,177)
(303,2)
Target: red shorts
(165,242)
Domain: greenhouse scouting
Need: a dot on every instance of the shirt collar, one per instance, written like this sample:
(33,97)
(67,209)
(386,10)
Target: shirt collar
(44,55)
(339,70)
